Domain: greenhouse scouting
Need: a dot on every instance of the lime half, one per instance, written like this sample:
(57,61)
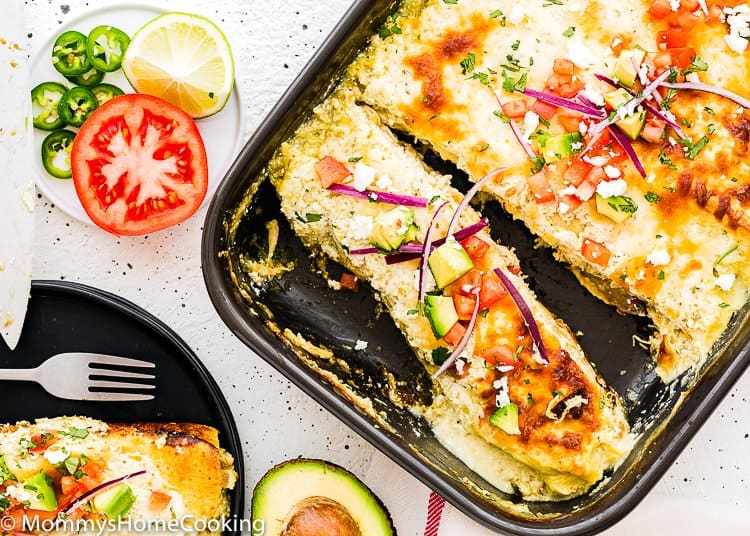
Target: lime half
(184,59)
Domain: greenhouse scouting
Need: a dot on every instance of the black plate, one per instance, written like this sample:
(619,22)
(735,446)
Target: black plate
(69,317)
(669,415)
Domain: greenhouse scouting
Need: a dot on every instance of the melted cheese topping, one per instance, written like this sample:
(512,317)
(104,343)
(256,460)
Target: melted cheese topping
(552,458)
(422,82)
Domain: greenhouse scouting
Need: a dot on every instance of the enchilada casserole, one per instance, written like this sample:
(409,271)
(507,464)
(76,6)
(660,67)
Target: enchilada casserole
(76,468)
(624,129)
(516,399)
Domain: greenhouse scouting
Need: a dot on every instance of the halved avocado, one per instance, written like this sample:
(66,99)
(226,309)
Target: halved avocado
(315,498)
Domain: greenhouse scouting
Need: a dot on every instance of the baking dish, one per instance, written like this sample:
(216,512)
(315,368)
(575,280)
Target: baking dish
(354,385)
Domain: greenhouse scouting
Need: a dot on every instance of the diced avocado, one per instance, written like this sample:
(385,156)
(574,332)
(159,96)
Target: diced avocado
(390,229)
(42,494)
(617,98)
(559,146)
(625,70)
(506,418)
(411,234)
(633,125)
(449,262)
(316,497)
(618,208)
(116,502)
(442,314)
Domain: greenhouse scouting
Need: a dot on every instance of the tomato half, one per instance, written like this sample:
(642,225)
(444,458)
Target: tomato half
(139,165)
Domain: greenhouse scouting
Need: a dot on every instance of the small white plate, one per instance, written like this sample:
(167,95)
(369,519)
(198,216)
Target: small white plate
(221,133)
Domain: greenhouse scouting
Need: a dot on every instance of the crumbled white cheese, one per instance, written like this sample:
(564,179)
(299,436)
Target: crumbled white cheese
(460,364)
(502,398)
(725,281)
(363,177)
(658,257)
(576,146)
(643,74)
(674,5)
(580,54)
(55,456)
(516,14)
(583,127)
(593,95)
(530,124)
(612,172)
(18,493)
(360,345)
(614,188)
(563,207)
(360,227)
(738,19)
(596,161)
(570,190)
(383,182)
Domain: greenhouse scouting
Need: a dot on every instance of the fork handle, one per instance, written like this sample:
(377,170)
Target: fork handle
(19,375)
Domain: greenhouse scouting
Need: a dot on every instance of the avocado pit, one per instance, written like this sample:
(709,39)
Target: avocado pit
(320,516)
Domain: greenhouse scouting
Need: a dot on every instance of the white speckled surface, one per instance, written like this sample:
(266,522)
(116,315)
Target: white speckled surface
(272,41)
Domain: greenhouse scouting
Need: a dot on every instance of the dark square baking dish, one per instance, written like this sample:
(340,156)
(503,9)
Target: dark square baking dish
(356,386)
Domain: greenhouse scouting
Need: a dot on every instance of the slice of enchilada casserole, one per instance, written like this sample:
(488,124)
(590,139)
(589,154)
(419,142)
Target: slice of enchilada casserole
(624,128)
(70,469)
(514,384)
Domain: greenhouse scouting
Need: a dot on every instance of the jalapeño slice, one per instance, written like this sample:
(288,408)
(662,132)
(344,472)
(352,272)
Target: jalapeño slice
(44,101)
(106,47)
(69,54)
(56,149)
(106,92)
(76,106)
(90,78)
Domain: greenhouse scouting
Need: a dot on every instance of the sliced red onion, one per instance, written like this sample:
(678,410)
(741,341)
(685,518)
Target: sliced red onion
(585,100)
(469,196)
(517,133)
(528,318)
(466,232)
(633,103)
(427,251)
(648,106)
(697,86)
(411,247)
(380,197)
(464,340)
(72,507)
(561,102)
(703,6)
(627,146)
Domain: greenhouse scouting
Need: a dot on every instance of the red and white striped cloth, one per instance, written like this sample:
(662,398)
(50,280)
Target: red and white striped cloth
(435,506)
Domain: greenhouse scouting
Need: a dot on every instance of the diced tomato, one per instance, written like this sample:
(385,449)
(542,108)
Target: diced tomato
(456,333)
(663,60)
(672,38)
(715,12)
(557,80)
(603,141)
(91,469)
(689,5)
(564,67)
(540,188)
(68,485)
(516,108)
(570,90)
(595,252)
(585,190)
(576,172)
(514,269)
(349,282)
(464,306)
(499,355)
(492,291)
(159,501)
(570,121)
(596,175)
(42,442)
(660,9)
(468,284)
(572,202)
(620,43)
(544,110)
(475,247)
(687,19)
(87,483)
(330,171)
(653,132)
(682,57)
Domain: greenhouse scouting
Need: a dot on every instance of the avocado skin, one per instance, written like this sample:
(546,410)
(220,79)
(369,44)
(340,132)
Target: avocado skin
(325,467)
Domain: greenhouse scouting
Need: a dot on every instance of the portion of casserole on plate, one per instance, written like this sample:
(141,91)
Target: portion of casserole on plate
(629,156)
(71,469)
(520,404)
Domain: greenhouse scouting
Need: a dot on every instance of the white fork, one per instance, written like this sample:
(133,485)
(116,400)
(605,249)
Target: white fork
(70,376)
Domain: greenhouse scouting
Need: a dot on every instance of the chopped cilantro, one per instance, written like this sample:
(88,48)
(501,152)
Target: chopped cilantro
(516,44)
(556,393)
(504,118)
(484,147)
(389,28)
(624,277)
(484,78)
(355,159)
(623,204)
(527,381)
(308,218)
(601,403)
(82,433)
(497,14)
(709,110)
(5,473)
(569,31)
(697,65)
(711,129)
(651,197)
(693,148)
(434,199)
(468,63)
(529,399)
(440,355)
(484,312)
(661,275)
(723,305)
(537,163)
(726,254)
